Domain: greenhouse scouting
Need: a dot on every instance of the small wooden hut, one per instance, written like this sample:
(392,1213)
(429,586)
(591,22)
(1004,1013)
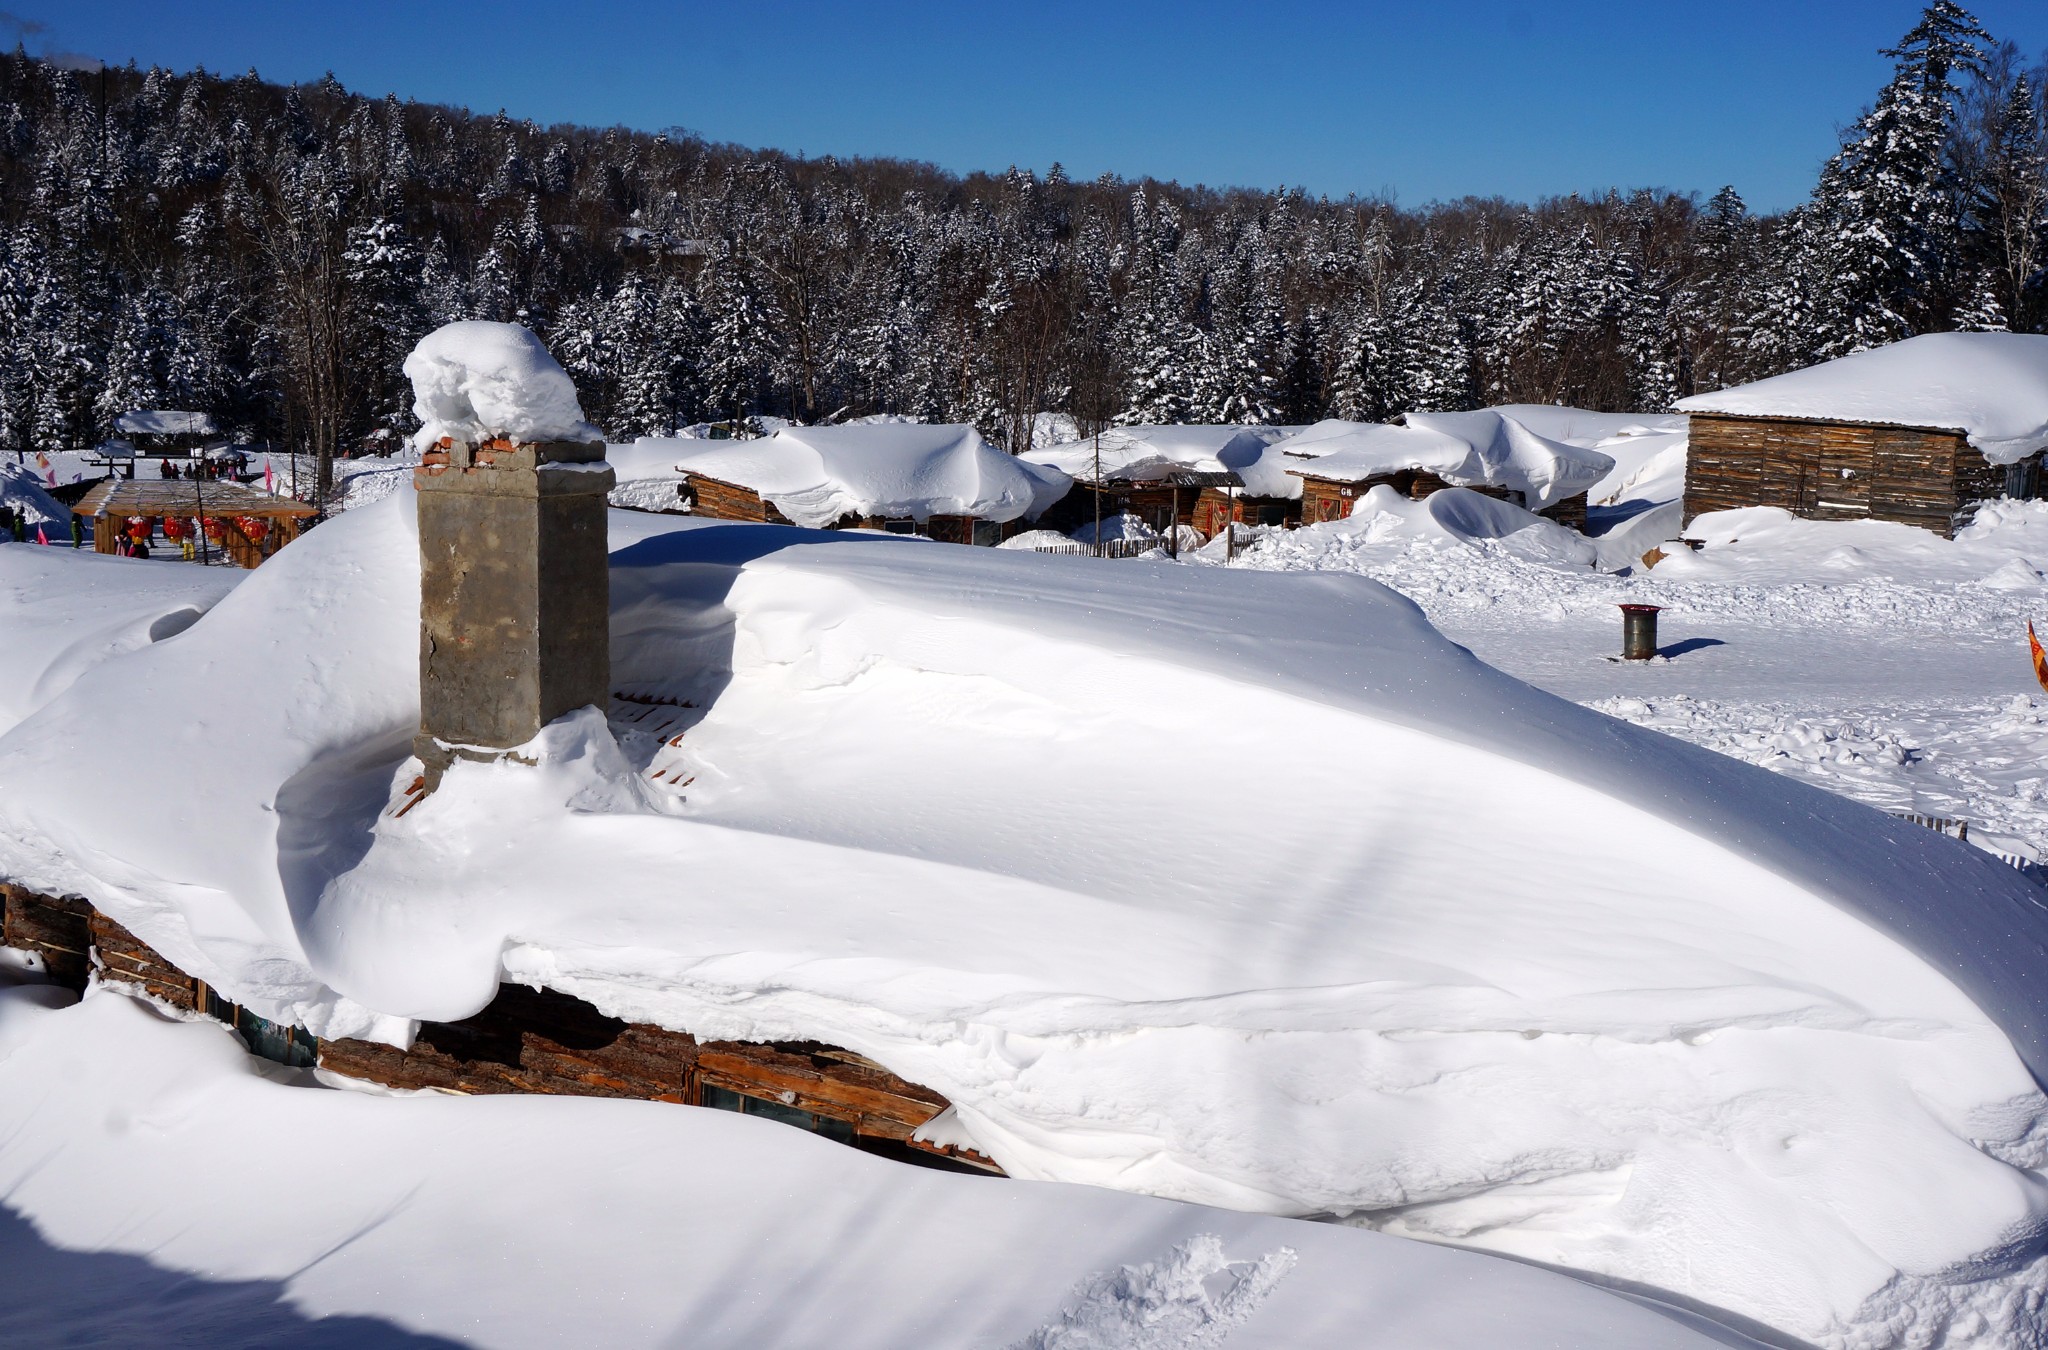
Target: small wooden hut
(943,482)
(244,525)
(1917,432)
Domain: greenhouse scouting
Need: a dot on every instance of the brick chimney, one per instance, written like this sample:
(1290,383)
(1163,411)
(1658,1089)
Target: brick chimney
(514,593)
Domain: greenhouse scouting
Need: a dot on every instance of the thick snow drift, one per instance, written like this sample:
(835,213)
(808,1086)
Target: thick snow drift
(475,380)
(1140,453)
(817,475)
(505,1222)
(1226,886)
(22,490)
(63,611)
(1470,449)
(1991,386)
(1543,470)
(1355,451)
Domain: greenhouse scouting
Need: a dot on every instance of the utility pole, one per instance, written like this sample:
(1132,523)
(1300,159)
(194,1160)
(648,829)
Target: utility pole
(1098,489)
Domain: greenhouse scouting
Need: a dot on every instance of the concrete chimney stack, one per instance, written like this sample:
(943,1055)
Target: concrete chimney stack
(514,593)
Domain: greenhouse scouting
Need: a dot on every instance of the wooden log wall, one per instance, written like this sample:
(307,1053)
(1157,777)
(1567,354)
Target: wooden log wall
(720,500)
(1835,470)
(1324,499)
(1213,506)
(1571,512)
(541,1041)
(127,959)
(56,928)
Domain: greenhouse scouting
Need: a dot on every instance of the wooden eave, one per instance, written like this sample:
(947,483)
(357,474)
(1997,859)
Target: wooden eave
(1832,422)
(185,497)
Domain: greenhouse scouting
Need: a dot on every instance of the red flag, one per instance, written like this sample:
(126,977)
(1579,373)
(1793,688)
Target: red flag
(51,474)
(41,538)
(266,474)
(2040,657)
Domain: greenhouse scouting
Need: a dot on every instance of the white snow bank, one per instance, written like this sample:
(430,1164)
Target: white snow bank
(1993,387)
(1593,430)
(1354,451)
(1460,517)
(1142,453)
(817,475)
(514,1222)
(22,489)
(64,610)
(476,380)
(1480,965)
(1543,470)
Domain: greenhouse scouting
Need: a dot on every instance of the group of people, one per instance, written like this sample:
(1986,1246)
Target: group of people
(198,469)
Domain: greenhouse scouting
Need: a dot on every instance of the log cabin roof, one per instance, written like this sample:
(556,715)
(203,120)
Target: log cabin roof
(1992,388)
(184,497)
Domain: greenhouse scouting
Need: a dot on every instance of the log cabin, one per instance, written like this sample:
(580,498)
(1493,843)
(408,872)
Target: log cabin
(1918,432)
(1339,462)
(941,482)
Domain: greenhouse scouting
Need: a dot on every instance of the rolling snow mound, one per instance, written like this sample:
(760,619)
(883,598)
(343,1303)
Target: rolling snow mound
(1227,886)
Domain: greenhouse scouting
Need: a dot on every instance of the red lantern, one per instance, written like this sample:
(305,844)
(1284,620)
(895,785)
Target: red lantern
(253,528)
(212,529)
(138,529)
(176,528)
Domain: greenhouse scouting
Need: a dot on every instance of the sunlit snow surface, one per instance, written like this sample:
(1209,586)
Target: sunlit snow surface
(1230,887)
(161,1188)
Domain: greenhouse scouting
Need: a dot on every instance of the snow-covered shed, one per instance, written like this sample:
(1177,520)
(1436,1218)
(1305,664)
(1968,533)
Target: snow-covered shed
(942,481)
(1917,432)
(1201,474)
(164,431)
(1486,451)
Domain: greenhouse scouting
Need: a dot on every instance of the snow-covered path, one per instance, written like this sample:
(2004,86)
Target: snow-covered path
(1876,661)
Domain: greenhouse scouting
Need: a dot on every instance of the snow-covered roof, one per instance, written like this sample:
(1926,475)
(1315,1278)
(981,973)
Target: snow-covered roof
(817,475)
(1138,454)
(164,422)
(474,381)
(1350,452)
(1992,387)
(1466,449)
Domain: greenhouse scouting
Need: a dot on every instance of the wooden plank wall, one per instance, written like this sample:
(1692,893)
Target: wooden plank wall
(127,959)
(56,928)
(541,1041)
(1323,499)
(1571,513)
(1834,471)
(527,1040)
(1213,506)
(720,500)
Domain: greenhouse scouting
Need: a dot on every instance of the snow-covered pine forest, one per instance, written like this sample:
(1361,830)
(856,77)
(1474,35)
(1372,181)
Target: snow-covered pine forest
(269,253)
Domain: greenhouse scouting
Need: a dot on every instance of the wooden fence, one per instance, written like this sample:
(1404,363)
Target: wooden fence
(1960,829)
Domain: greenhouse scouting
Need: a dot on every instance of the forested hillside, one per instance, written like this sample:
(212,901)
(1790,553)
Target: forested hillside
(270,253)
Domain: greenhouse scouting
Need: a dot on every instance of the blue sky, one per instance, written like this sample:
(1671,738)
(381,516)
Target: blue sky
(1419,101)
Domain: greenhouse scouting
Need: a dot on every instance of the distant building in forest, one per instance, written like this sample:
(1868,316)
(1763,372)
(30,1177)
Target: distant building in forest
(1917,432)
(165,432)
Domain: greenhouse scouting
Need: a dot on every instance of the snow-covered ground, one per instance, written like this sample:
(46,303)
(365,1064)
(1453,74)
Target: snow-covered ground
(1876,660)
(1233,888)
(162,1188)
